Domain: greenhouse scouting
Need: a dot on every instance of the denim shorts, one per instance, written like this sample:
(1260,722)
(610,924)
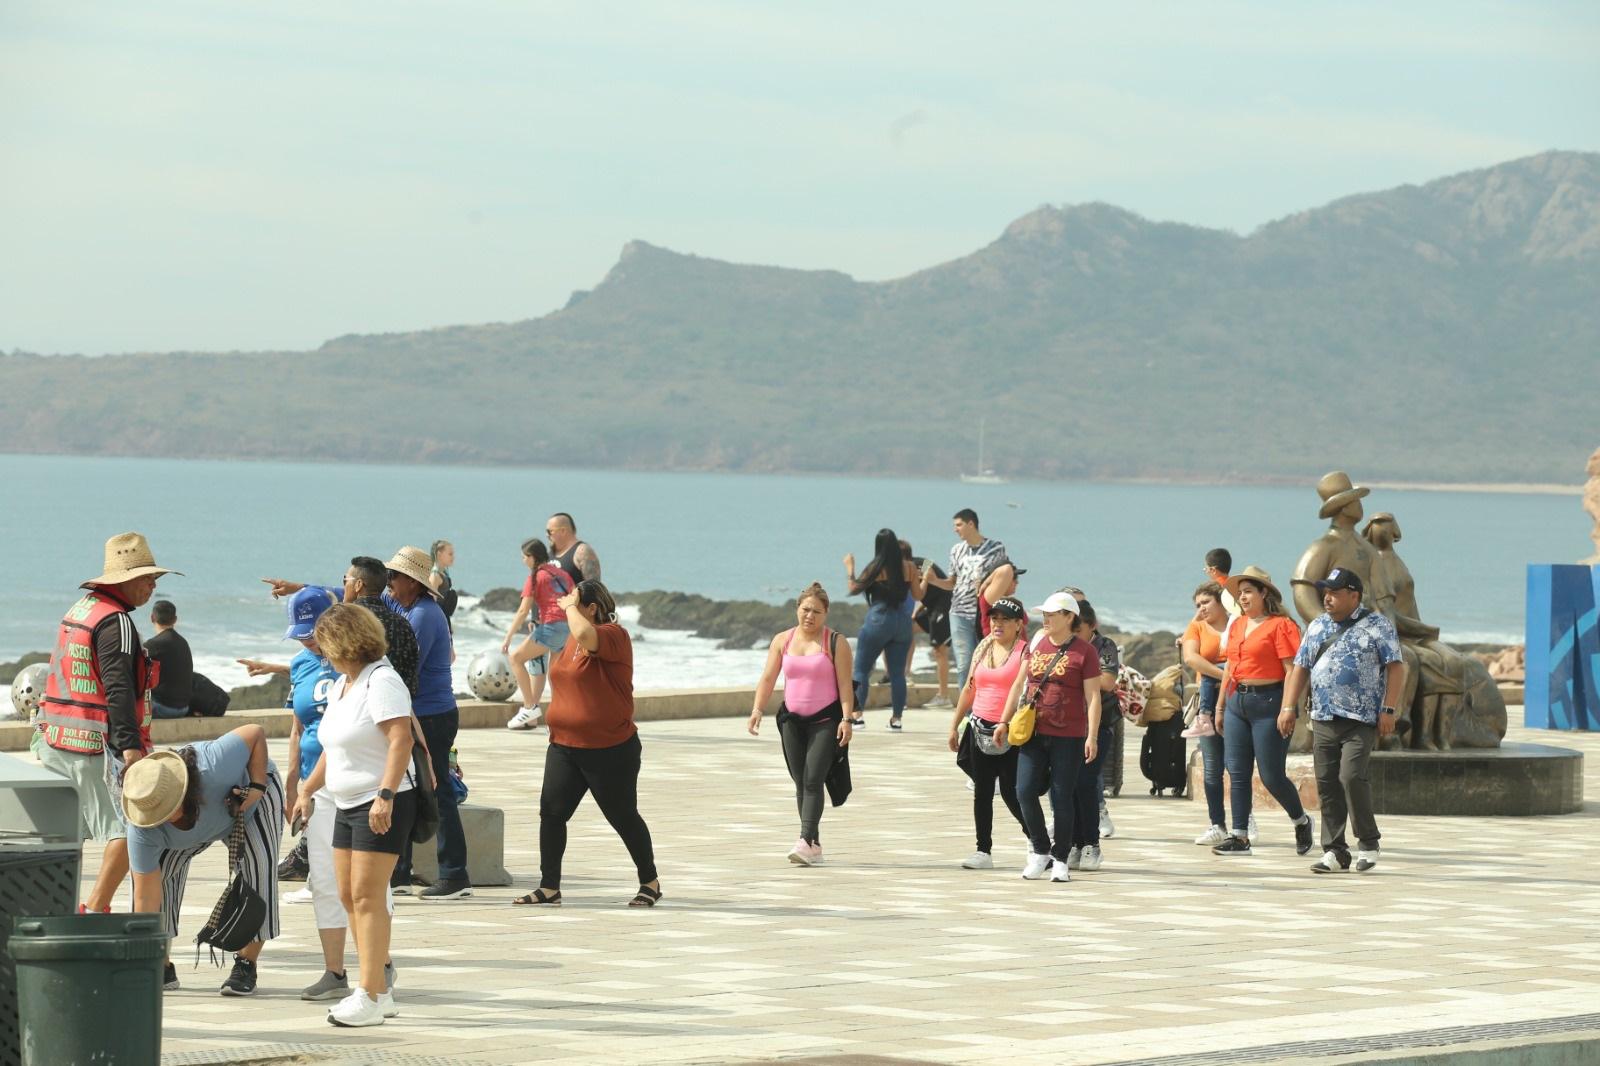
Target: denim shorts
(552,635)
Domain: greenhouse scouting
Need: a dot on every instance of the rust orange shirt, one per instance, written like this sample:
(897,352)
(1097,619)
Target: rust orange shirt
(1208,639)
(591,693)
(1260,655)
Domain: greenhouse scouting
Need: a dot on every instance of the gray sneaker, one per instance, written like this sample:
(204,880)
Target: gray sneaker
(390,974)
(329,986)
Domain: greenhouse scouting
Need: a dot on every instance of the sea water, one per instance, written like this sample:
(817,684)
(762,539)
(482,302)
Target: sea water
(1135,548)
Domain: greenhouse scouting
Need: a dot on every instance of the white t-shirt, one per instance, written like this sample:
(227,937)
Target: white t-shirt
(357,749)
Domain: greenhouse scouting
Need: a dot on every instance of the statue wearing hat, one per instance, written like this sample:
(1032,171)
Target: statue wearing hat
(1449,697)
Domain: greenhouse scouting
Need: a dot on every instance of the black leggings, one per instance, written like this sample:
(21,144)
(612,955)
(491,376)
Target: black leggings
(612,774)
(986,770)
(810,745)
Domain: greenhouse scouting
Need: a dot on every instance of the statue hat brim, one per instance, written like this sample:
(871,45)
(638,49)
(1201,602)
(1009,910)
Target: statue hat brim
(1337,492)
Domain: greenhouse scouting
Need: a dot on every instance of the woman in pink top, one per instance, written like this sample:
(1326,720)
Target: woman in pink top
(995,663)
(814,718)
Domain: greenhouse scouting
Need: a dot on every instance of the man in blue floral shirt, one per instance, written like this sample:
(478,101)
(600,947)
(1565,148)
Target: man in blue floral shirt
(1351,655)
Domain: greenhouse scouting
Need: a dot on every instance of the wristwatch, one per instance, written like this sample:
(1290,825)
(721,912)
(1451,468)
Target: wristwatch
(386,794)
(1390,710)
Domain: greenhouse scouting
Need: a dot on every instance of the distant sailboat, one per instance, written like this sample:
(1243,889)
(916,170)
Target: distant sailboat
(984,476)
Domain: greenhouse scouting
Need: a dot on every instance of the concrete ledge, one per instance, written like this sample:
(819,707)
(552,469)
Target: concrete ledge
(649,705)
(485,828)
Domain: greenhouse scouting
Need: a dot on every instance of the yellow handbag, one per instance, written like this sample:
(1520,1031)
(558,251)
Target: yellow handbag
(1027,715)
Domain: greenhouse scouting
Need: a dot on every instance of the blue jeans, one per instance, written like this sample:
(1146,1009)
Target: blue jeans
(439,730)
(1251,735)
(161,710)
(964,640)
(886,629)
(1054,763)
(1086,797)
(1211,756)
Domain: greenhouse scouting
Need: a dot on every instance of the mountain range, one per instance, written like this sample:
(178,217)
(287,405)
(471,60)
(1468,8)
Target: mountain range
(1443,332)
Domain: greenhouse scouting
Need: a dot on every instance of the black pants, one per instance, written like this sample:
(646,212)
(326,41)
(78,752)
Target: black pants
(1341,750)
(1086,797)
(1051,764)
(439,730)
(612,774)
(810,744)
(986,770)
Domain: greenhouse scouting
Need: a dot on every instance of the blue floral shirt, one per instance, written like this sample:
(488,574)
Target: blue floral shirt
(1348,681)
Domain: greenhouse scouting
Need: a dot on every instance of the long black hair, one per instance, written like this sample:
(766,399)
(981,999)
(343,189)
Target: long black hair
(888,567)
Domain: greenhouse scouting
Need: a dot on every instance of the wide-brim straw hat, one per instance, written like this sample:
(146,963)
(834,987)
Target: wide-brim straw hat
(128,556)
(1252,573)
(1337,492)
(153,787)
(415,564)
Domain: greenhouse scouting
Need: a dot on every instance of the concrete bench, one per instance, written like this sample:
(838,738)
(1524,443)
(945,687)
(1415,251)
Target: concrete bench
(486,848)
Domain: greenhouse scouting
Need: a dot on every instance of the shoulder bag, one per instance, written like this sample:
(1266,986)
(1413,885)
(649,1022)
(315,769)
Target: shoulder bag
(1027,715)
(237,918)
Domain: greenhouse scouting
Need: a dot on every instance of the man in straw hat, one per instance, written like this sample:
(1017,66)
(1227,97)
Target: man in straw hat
(1340,548)
(412,596)
(94,719)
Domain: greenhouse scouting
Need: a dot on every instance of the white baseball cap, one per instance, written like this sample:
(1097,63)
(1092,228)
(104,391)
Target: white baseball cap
(1058,601)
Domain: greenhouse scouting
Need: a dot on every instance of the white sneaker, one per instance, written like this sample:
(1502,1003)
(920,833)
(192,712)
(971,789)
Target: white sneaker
(973,788)
(941,702)
(1253,833)
(1091,858)
(1212,837)
(388,1006)
(1074,857)
(978,860)
(1330,864)
(357,1009)
(525,718)
(299,895)
(1365,860)
(1036,866)
(1059,872)
(1107,828)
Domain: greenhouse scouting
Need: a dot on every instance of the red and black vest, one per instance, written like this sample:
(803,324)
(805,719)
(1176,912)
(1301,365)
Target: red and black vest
(73,713)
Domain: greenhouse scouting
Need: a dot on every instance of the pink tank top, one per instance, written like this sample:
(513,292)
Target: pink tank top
(992,684)
(809,681)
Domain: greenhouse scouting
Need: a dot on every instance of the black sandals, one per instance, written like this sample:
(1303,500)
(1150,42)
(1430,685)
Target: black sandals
(646,898)
(538,897)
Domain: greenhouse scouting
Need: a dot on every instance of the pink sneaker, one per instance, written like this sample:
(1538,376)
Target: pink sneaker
(806,854)
(1202,727)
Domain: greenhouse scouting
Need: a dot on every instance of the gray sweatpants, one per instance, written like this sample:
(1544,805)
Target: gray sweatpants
(1340,749)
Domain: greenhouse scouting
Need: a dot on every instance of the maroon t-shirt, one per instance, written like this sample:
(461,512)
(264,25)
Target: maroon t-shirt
(1063,711)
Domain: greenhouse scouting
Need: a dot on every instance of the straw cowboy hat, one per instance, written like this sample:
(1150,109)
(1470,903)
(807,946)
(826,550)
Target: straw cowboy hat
(1336,492)
(1252,573)
(153,787)
(415,564)
(127,557)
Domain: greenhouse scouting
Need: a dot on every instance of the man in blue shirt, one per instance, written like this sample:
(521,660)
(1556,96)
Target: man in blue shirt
(1351,656)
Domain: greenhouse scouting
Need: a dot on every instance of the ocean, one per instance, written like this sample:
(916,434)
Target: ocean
(1135,548)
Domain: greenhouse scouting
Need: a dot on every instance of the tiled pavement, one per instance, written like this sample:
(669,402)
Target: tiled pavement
(892,950)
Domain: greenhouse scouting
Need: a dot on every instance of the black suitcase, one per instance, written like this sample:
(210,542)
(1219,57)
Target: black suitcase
(1164,756)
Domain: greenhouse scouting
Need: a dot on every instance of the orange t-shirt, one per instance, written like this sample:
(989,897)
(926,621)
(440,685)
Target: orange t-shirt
(591,693)
(1260,655)
(1209,639)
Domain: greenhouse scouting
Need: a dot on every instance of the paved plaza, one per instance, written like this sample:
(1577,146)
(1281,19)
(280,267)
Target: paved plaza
(1168,953)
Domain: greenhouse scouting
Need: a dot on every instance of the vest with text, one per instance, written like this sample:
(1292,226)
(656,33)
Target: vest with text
(72,714)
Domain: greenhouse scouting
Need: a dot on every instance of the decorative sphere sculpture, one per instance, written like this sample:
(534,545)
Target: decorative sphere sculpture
(489,676)
(27,689)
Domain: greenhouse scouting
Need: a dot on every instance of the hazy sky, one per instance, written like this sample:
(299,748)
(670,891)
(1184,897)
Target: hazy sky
(210,175)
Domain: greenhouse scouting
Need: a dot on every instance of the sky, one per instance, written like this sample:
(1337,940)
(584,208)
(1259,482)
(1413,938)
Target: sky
(265,176)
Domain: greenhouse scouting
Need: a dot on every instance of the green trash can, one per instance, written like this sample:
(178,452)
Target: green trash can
(89,988)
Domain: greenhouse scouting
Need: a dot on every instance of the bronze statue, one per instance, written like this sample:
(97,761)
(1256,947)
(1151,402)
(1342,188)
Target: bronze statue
(1449,698)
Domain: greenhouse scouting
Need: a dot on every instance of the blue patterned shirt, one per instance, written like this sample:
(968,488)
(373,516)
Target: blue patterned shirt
(1348,681)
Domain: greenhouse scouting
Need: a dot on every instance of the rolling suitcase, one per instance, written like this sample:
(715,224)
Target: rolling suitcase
(1163,756)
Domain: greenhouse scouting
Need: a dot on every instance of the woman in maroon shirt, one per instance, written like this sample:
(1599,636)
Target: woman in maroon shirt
(1060,677)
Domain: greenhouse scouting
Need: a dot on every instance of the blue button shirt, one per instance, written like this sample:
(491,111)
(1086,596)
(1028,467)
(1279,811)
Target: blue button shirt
(1348,681)
(310,678)
(435,689)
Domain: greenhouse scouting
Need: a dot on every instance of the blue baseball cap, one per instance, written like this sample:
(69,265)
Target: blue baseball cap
(305,607)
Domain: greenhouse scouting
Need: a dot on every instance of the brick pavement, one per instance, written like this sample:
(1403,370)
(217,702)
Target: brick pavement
(891,950)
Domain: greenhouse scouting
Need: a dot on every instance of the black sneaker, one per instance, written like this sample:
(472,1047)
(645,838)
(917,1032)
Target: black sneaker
(1332,862)
(1233,846)
(296,864)
(242,981)
(169,978)
(442,890)
(1302,836)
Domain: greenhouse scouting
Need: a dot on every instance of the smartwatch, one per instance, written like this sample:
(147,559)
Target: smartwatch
(386,794)
(1389,711)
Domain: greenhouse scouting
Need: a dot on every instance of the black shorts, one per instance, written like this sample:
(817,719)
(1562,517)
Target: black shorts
(934,623)
(352,831)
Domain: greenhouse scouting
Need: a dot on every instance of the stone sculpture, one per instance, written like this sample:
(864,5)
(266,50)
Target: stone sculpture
(1591,503)
(1449,699)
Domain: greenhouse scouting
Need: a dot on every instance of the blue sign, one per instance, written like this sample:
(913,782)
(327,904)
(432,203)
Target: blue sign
(1562,690)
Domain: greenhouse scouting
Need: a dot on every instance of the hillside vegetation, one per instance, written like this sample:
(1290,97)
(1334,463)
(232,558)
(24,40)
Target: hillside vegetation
(1449,331)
